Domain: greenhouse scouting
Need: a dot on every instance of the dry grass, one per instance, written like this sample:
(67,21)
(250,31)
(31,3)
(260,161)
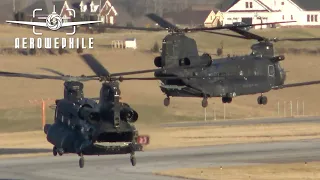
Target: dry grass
(17,92)
(292,171)
(186,137)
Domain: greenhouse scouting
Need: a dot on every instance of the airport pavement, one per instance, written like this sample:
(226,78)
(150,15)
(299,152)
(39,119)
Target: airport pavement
(119,167)
(239,122)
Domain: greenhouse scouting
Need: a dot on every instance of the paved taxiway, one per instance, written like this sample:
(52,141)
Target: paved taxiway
(241,122)
(119,167)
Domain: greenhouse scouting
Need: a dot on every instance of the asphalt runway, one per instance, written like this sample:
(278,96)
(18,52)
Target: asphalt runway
(236,122)
(119,167)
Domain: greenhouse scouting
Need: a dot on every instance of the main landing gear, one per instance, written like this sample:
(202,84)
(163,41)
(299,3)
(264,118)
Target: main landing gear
(81,160)
(56,151)
(262,100)
(204,102)
(226,99)
(133,159)
(166,101)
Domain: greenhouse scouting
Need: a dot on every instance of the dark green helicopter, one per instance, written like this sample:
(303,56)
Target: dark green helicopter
(255,73)
(85,127)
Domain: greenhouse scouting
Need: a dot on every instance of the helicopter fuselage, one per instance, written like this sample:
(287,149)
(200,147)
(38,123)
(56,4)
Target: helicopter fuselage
(227,77)
(232,76)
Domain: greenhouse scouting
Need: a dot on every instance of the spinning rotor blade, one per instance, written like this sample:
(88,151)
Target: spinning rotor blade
(41,76)
(53,71)
(95,65)
(248,35)
(100,71)
(297,84)
(167,25)
(296,39)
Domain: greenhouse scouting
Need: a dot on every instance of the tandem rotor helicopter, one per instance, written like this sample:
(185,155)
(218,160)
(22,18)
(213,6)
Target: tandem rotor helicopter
(255,73)
(84,127)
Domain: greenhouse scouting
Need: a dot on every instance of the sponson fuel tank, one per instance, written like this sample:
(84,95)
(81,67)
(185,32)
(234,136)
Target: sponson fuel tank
(62,137)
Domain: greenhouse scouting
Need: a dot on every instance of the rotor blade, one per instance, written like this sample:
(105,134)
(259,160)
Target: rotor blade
(233,27)
(132,28)
(297,84)
(134,72)
(297,39)
(224,34)
(161,22)
(32,76)
(53,71)
(247,34)
(41,76)
(95,65)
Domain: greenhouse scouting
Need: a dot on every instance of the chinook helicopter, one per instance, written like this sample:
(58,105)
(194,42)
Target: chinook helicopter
(84,127)
(255,73)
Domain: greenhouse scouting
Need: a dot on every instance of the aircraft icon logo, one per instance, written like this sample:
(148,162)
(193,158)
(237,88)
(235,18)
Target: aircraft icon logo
(53,22)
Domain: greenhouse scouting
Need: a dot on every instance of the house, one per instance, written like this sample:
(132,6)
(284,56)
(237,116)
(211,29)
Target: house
(108,13)
(47,8)
(305,12)
(104,12)
(214,19)
(65,14)
(131,43)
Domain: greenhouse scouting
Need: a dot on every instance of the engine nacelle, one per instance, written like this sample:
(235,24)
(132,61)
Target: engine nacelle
(277,58)
(89,114)
(158,61)
(205,59)
(129,115)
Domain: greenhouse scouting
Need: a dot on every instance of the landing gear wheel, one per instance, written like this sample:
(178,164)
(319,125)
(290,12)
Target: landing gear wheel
(81,162)
(60,152)
(262,100)
(259,100)
(204,102)
(166,101)
(133,160)
(226,99)
(54,151)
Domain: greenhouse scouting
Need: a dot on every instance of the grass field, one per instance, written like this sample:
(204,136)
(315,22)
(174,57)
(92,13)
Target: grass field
(293,171)
(184,137)
(17,113)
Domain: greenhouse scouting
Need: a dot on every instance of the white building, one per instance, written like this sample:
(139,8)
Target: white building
(131,43)
(305,12)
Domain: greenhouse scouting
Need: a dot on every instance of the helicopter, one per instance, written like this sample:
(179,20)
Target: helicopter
(84,127)
(255,73)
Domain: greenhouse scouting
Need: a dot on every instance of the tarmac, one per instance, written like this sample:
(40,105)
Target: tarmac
(119,166)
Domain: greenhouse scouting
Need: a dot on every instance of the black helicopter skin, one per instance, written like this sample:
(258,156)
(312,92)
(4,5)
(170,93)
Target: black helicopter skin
(85,127)
(255,73)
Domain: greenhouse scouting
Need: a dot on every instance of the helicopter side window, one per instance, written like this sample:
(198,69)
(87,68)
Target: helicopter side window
(271,70)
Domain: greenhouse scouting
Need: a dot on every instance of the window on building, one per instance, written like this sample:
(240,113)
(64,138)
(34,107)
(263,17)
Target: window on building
(311,18)
(282,17)
(291,17)
(308,18)
(250,4)
(282,3)
(247,5)
(316,18)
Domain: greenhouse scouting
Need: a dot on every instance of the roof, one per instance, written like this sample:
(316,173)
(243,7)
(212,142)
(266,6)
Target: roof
(308,5)
(226,4)
(45,5)
(188,17)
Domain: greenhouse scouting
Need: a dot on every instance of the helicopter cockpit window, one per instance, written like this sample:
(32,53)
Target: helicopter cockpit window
(271,70)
